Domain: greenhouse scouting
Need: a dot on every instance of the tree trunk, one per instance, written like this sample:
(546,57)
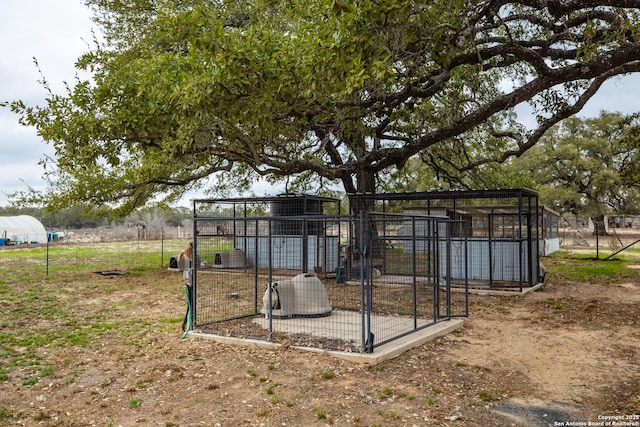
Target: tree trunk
(599,227)
(366,184)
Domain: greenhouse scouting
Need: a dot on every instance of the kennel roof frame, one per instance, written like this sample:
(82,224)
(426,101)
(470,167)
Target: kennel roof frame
(447,195)
(252,200)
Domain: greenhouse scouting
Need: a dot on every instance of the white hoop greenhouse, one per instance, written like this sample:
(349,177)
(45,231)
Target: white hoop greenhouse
(21,229)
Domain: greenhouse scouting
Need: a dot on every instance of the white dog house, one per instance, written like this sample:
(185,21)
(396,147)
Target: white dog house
(301,296)
(234,258)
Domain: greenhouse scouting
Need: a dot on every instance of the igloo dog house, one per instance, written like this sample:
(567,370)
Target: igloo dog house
(301,296)
(234,258)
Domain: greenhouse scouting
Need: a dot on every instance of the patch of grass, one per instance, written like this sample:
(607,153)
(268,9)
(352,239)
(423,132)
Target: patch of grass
(4,414)
(252,372)
(264,412)
(173,320)
(130,256)
(327,375)
(41,416)
(44,371)
(135,403)
(502,309)
(391,414)
(271,366)
(321,415)
(487,396)
(385,393)
(556,304)
(584,267)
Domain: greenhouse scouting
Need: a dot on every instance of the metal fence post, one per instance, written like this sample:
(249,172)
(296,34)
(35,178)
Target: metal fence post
(47,260)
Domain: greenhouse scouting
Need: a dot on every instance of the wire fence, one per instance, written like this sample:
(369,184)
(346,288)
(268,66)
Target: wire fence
(57,259)
(345,282)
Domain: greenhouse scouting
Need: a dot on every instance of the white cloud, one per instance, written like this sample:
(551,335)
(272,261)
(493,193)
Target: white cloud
(56,33)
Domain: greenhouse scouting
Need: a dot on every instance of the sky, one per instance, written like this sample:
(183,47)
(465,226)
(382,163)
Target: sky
(57,32)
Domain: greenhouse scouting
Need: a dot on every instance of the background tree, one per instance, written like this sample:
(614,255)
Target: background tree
(325,91)
(589,167)
(76,216)
(178,216)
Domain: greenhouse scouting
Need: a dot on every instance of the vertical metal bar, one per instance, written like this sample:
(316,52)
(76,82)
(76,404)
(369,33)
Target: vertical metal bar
(269,280)
(363,300)
(384,242)
(428,248)
(531,249)
(366,271)
(466,272)
(365,277)
(194,279)
(256,254)
(415,274)
(436,269)
(448,268)
(539,232)
(595,225)
(521,254)
(490,252)
(47,260)
(245,238)
(322,256)
(305,240)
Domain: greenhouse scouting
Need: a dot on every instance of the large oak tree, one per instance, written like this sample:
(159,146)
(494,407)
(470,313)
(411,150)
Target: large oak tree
(589,167)
(323,91)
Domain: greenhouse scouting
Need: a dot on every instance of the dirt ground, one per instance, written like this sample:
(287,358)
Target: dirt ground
(107,351)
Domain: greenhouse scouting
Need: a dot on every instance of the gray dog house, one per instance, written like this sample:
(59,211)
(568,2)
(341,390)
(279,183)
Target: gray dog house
(234,258)
(301,296)
(181,263)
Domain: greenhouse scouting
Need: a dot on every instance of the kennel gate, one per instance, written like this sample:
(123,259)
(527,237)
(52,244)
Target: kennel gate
(377,292)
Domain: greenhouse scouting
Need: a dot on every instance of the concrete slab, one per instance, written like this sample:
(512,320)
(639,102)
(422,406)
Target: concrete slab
(397,347)
(342,325)
(498,292)
(381,353)
(477,288)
